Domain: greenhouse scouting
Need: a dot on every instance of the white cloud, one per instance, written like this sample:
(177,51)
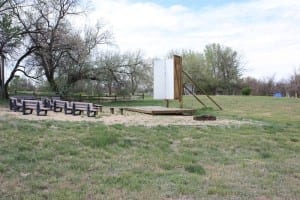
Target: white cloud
(265,32)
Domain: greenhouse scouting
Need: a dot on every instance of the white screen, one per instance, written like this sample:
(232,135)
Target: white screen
(163,79)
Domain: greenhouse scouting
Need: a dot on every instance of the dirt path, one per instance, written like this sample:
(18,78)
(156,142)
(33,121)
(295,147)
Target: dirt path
(128,119)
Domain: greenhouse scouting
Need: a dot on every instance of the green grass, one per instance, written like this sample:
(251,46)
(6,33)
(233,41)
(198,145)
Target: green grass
(65,160)
(3,102)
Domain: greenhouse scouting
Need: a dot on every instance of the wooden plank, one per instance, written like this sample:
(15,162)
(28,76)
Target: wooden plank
(190,78)
(158,110)
(178,82)
(195,96)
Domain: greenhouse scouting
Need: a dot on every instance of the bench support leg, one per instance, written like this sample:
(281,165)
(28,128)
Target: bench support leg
(112,110)
(27,109)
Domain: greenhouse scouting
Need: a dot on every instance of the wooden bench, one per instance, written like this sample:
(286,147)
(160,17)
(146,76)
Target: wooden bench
(52,100)
(14,104)
(68,108)
(29,105)
(79,107)
(99,107)
(112,110)
(59,105)
(46,102)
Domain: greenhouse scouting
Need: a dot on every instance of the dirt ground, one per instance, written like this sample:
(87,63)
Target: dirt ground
(128,118)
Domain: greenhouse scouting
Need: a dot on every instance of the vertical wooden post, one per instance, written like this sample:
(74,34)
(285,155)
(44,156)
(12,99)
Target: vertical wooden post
(178,81)
(181,103)
(112,110)
(167,103)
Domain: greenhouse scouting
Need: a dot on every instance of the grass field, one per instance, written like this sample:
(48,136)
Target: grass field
(71,160)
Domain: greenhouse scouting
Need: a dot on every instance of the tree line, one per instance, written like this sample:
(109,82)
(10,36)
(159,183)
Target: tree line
(219,70)
(41,48)
(268,86)
(39,42)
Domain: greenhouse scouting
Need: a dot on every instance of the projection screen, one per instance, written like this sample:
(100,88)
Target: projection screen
(163,79)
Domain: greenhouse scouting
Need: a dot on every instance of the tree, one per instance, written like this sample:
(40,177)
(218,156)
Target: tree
(77,64)
(21,83)
(251,83)
(224,65)
(264,87)
(295,84)
(194,64)
(137,71)
(10,39)
(108,66)
(218,68)
(46,26)
(123,73)
(60,53)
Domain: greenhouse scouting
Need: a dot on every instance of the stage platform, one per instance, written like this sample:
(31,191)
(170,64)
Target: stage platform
(159,110)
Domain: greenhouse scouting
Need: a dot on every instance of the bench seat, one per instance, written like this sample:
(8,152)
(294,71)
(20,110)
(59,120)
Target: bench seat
(59,105)
(14,104)
(79,107)
(29,105)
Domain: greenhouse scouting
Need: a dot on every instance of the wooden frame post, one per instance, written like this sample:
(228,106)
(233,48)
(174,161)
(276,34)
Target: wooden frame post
(167,103)
(178,80)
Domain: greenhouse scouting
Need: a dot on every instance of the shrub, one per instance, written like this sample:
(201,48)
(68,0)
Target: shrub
(197,169)
(246,91)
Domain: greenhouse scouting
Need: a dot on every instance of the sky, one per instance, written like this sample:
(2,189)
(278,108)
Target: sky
(265,33)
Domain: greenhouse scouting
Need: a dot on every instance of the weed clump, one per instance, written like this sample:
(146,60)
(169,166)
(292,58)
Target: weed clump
(196,169)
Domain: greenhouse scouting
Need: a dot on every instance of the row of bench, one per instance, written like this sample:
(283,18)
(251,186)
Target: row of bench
(75,108)
(26,106)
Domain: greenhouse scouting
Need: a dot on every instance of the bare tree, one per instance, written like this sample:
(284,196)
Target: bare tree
(137,71)
(10,39)
(108,66)
(59,53)
(264,87)
(46,26)
(123,73)
(77,64)
(295,84)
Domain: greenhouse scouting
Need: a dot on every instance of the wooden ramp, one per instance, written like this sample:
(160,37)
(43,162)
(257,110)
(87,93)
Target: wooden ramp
(158,110)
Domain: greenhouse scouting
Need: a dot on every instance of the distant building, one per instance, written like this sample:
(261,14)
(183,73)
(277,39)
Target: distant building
(277,95)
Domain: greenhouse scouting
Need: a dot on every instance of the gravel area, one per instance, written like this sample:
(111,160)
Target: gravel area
(128,119)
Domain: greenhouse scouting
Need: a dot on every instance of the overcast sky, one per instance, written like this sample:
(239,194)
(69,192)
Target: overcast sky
(266,33)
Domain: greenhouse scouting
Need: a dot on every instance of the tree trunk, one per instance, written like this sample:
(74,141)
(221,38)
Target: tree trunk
(2,93)
(2,89)
(133,88)
(53,85)
(109,88)
(5,92)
